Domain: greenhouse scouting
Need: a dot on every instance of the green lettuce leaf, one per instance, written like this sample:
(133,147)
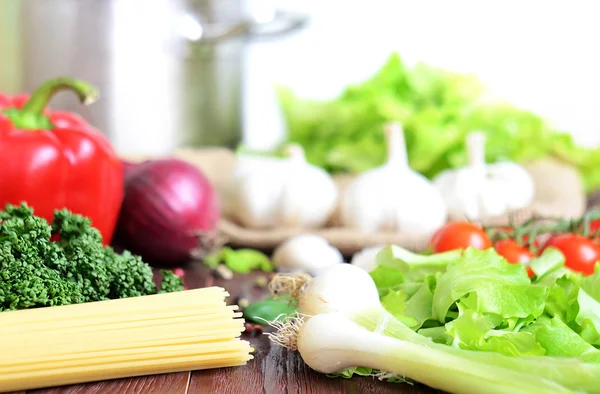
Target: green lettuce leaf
(396,266)
(588,318)
(560,340)
(475,331)
(550,261)
(363,371)
(591,284)
(386,278)
(438,109)
(395,303)
(420,305)
(562,299)
(486,283)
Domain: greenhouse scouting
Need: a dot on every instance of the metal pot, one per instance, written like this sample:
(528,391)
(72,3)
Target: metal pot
(169,71)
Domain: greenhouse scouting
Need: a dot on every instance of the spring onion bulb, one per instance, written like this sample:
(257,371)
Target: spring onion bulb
(343,288)
(341,323)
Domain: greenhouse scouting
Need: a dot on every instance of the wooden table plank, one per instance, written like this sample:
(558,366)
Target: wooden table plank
(231,380)
(173,383)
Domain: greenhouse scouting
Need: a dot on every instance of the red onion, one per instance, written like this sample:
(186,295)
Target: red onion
(168,205)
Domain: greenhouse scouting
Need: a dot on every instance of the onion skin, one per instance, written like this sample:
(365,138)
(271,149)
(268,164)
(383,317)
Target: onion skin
(129,167)
(168,203)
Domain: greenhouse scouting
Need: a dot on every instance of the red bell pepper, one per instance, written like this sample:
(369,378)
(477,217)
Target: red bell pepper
(54,159)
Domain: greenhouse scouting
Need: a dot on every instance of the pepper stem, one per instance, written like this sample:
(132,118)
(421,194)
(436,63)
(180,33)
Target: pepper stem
(31,115)
(39,99)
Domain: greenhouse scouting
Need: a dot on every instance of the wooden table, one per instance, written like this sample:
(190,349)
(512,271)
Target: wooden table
(274,369)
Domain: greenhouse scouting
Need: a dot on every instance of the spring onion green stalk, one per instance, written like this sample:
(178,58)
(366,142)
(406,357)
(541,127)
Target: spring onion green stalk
(351,292)
(331,342)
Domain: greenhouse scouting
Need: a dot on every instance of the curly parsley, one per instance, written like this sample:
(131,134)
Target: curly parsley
(37,272)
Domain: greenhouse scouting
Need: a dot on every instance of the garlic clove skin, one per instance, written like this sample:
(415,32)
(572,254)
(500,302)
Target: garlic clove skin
(245,165)
(266,192)
(308,197)
(367,258)
(511,175)
(418,206)
(479,190)
(461,190)
(253,201)
(505,187)
(306,253)
(359,206)
(383,200)
(393,197)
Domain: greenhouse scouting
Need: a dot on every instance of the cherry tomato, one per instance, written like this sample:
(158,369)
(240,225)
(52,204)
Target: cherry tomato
(459,235)
(581,253)
(514,253)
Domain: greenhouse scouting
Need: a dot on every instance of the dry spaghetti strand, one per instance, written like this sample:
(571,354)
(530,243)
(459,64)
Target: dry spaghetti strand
(162,333)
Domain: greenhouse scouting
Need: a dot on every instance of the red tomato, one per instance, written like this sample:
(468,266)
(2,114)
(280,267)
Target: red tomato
(514,253)
(581,253)
(460,235)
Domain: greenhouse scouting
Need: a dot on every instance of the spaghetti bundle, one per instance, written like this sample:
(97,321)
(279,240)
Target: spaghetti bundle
(172,332)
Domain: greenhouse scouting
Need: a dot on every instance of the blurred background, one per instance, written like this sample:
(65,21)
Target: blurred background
(212,72)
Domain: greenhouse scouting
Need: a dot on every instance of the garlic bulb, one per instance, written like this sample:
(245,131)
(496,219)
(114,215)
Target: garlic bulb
(393,197)
(266,192)
(306,253)
(479,190)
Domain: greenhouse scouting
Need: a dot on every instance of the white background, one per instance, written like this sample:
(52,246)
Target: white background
(541,55)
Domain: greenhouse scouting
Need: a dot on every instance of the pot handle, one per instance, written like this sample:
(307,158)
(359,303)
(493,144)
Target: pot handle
(281,24)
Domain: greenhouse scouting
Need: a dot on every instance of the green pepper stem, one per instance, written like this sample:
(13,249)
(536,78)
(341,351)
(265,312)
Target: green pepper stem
(39,99)
(31,116)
